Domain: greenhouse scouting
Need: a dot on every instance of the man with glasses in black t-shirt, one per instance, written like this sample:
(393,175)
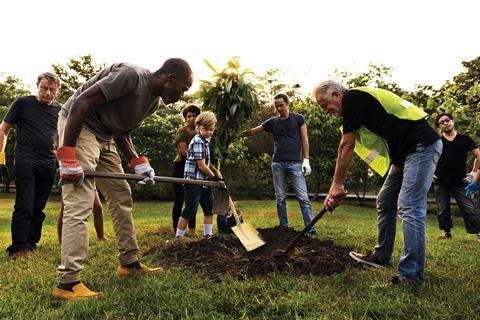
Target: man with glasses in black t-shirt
(450,177)
(35,119)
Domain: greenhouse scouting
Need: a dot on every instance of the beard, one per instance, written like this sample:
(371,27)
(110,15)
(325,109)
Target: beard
(170,97)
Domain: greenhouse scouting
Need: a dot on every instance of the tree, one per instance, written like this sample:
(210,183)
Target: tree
(323,136)
(465,81)
(74,74)
(11,88)
(271,85)
(233,98)
(155,139)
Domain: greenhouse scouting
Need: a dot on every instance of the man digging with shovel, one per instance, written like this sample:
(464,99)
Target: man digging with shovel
(108,106)
(382,128)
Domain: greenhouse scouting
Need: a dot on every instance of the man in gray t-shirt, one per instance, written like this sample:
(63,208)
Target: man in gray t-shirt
(107,107)
(290,137)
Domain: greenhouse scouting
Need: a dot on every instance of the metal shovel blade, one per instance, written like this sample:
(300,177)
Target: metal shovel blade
(250,238)
(221,201)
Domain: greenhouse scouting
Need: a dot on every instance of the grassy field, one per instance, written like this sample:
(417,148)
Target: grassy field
(451,290)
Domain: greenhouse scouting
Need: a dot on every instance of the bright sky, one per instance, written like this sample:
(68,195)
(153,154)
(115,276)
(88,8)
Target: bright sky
(424,41)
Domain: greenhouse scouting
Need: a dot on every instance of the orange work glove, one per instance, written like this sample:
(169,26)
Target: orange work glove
(70,169)
(142,167)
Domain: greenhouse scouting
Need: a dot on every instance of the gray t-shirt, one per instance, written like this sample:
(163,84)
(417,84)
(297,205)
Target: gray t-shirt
(129,100)
(286,137)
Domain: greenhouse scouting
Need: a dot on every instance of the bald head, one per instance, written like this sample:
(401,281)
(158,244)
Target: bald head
(176,66)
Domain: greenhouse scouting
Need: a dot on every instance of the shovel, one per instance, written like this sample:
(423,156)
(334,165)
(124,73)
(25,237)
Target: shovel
(221,199)
(250,238)
(246,232)
(283,252)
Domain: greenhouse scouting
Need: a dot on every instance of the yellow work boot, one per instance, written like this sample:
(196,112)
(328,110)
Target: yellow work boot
(80,292)
(123,271)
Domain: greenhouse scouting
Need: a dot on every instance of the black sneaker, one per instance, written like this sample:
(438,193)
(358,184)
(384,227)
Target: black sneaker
(368,259)
(478,237)
(397,280)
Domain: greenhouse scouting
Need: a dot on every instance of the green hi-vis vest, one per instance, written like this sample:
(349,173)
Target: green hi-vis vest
(372,148)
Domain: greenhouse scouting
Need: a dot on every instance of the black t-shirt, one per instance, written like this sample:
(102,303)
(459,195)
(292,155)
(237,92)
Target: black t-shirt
(36,126)
(452,165)
(286,134)
(402,136)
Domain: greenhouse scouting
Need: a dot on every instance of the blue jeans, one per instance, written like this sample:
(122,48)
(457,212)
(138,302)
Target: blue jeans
(292,170)
(404,192)
(195,195)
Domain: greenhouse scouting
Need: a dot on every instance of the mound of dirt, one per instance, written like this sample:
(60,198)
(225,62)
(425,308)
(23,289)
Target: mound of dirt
(224,255)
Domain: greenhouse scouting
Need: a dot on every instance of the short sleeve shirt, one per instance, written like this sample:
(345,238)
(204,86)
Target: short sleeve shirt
(402,136)
(36,129)
(286,137)
(182,135)
(452,165)
(198,149)
(129,100)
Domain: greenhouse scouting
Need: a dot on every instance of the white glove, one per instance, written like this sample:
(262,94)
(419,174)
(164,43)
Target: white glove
(469,177)
(142,167)
(306,167)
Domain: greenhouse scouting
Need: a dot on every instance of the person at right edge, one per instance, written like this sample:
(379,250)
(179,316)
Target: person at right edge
(383,129)
(450,177)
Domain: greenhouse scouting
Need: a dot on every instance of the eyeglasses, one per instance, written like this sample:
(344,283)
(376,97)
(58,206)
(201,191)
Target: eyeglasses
(447,120)
(46,89)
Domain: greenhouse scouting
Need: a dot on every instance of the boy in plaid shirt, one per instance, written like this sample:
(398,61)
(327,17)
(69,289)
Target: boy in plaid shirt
(197,168)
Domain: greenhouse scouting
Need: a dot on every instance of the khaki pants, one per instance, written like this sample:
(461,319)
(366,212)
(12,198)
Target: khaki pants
(93,154)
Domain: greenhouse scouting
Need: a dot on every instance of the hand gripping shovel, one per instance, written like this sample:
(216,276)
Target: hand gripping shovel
(220,201)
(283,252)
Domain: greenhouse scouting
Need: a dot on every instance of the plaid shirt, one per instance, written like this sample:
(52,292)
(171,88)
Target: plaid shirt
(198,149)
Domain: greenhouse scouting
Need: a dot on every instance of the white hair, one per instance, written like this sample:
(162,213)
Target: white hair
(328,86)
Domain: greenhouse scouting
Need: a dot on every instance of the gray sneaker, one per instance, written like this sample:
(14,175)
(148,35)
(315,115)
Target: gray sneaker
(369,259)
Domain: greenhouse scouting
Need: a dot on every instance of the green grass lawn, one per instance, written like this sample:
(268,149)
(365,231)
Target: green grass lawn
(451,290)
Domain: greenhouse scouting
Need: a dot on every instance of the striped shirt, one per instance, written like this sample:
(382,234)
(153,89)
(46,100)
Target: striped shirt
(198,149)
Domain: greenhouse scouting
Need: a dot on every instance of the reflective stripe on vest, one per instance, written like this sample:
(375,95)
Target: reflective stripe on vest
(371,156)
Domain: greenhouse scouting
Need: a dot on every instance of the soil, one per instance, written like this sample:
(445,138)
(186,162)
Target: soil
(224,255)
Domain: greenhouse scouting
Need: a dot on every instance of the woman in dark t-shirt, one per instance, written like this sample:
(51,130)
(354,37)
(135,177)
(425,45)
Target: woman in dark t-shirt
(182,139)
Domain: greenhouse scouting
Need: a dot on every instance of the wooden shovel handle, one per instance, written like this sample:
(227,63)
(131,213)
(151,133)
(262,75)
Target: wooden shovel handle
(129,176)
(305,230)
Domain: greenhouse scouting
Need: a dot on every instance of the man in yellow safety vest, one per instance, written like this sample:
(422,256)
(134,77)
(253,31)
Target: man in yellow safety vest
(386,131)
